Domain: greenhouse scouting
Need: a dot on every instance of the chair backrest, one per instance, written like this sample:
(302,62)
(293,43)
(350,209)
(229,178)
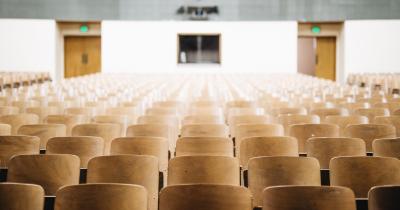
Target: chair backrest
(49,171)
(102,197)
(69,121)
(371,113)
(127,169)
(390,120)
(386,147)
(288,120)
(7,110)
(17,145)
(204,130)
(289,111)
(305,131)
(203,119)
(205,197)
(18,120)
(43,131)
(5,129)
(121,120)
(86,111)
(246,119)
(308,198)
(243,131)
(273,171)
(384,198)
(142,145)
(324,112)
(203,169)
(344,121)
(362,173)
(85,147)
(42,112)
(370,132)
(130,112)
(267,146)
(326,148)
(106,131)
(187,146)
(16,196)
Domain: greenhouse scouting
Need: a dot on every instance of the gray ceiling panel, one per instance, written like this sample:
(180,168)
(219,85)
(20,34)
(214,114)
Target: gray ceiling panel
(308,10)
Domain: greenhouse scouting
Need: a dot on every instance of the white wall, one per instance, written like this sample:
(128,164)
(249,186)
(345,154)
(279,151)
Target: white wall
(372,46)
(27,45)
(132,46)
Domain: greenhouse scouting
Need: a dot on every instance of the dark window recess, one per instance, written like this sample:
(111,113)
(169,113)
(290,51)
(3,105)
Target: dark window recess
(199,49)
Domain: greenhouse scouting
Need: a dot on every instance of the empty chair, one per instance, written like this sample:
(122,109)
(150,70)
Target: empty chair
(273,171)
(344,121)
(17,145)
(152,130)
(324,112)
(362,173)
(386,147)
(370,132)
(396,112)
(7,110)
(289,111)
(42,112)
(305,131)
(205,130)
(85,111)
(85,147)
(142,145)
(288,120)
(203,119)
(170,120)
(267,146)
(246,119)
(127,169)
(243,131)
(121,120)
(326,148)
(384,198)
(106,131)
(308,198)
(203,169)
(102,197)
(22,105)
(371,113)
(188,146)
(17,196)
(49,171)
(392,106)
(43,131)
(162,111)
(17,120)
(69,121)
(5,129)
(205,197)
(390,120)
(130,113)
(205,110)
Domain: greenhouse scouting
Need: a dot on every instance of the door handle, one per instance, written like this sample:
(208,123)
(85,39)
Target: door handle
(85,58)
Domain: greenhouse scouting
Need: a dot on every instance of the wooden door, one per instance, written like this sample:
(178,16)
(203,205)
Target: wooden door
(326,58)
(82,55)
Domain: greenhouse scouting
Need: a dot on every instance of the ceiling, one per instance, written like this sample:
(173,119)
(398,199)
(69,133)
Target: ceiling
(230,10)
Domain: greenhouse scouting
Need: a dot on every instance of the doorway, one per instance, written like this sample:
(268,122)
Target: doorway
(320,50)
(317,57)
(82,55)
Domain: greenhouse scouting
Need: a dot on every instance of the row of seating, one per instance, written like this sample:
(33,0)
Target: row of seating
(16,79)
(388,82)
(244,132)
(193,196)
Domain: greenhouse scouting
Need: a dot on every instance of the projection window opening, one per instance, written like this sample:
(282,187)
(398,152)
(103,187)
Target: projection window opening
(199,49)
